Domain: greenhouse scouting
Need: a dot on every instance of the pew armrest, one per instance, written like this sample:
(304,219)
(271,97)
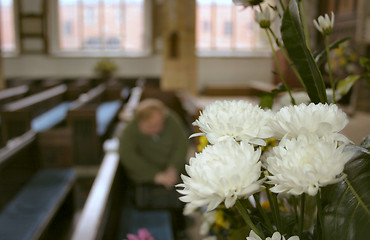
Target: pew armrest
(92,221)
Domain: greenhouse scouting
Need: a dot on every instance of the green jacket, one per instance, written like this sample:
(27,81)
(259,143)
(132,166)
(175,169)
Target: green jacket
(144,156)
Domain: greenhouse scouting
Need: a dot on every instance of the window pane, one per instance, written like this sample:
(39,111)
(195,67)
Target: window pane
(7,26)
(101,25)
(68,25)
(222,26)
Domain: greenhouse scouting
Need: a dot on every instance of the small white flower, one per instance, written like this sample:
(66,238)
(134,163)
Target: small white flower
(263,18)
(324,24)
(240,120)
(320,119)
(304,164)
(223,172)
(275,236)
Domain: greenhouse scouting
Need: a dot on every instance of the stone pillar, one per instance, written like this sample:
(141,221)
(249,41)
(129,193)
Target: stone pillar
(2,80)
(178,50)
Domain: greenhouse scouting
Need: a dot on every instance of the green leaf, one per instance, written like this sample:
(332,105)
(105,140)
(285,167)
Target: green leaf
(345,85)
(346,205)
(295,44)
(321,57)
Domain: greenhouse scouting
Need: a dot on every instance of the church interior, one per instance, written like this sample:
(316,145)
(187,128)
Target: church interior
(73,71)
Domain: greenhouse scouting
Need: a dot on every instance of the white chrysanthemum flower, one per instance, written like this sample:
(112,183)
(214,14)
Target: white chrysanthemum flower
(275,236)
(324,24)
(223,172)
(240,120)
(320,119)
(304,164)
(263,17)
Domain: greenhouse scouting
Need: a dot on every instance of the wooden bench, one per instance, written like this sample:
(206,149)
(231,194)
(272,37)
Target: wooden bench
(91,120)
(11,94)
(35,203)
(108,213)
(39,112)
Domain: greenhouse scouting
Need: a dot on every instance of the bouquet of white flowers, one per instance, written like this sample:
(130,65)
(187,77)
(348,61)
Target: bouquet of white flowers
(311,183)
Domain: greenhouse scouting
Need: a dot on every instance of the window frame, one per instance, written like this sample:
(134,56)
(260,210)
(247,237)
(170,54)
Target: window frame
(53,34)
(16,51)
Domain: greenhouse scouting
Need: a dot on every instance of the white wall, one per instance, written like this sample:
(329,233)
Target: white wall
(238,70)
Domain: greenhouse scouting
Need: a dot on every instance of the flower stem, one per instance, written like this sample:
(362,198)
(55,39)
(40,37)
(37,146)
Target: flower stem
(295,208)
(268,193)
(278,67)
(327,46)
(282,5)
(263,213)
(246,217)
(319,215)
(287,57)
(301,219)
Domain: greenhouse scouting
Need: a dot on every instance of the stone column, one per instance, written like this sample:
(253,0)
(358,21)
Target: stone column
(2,80)
(178,50)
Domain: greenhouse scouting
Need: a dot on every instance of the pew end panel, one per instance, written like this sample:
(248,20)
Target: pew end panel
(56,147)
(85,142)
(19,160)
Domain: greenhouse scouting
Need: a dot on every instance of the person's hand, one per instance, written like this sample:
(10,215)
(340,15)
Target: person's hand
(167,178)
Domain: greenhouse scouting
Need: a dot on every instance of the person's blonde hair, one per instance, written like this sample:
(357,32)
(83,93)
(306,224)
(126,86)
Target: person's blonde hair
(147,107)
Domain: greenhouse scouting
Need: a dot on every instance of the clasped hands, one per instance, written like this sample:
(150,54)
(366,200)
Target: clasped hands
(167,178)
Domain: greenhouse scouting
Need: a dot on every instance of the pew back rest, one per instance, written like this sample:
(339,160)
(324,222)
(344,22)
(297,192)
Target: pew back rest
(17,116)
(94,96)
(38,103)
(12,94)
(19,160)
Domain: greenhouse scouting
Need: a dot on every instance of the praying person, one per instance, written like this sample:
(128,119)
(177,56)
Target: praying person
(153,145)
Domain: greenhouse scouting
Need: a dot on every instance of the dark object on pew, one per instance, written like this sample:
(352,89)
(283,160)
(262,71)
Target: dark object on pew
(35,203)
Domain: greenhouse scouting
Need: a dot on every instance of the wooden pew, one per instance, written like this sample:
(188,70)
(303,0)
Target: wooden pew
(33,112)
(35,203)
(11,94)
(91,120)
(108,214)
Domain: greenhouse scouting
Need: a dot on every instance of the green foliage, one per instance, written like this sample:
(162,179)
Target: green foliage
(295,44)
(346,205)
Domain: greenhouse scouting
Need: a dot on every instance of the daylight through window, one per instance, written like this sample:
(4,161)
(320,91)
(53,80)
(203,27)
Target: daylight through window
(101,26)
(224,27)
